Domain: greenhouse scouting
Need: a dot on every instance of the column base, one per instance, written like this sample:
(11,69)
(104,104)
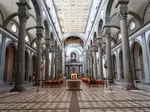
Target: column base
(18,89)
(130,87)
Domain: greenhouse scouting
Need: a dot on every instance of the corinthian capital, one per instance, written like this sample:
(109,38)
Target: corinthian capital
(94,48)
(39,31)
(99,42)
(107,32)
(47,42)
(122,11)
(122,8)
(23,11)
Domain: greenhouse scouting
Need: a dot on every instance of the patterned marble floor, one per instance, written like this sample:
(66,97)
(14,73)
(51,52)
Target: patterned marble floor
(93,99)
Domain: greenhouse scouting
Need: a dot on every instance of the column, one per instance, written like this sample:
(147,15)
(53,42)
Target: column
(91,64)
(39,34)
(100,68)
(52,62)
(87,65)
(2,59)
(108,53)
(94,49)
(56,56)
(122,13)
(23,14)
(63,63)
(47,58)
(84,62)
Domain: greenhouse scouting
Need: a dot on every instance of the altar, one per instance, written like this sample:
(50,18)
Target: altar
(73,84)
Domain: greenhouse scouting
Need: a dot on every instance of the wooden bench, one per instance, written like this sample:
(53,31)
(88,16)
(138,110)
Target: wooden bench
(93,82)
(52,83)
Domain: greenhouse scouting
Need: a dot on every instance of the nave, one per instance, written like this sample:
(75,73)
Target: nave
(89,99)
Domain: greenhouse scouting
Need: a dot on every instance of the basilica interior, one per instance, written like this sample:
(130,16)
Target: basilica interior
(74,55)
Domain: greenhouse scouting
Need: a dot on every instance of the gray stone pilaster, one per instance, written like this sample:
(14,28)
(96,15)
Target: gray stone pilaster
(23,14)
(47,58)
(100,68)
(29,69)
(145,60)
(118,67)
(2,58)
(122,13)
(39,34)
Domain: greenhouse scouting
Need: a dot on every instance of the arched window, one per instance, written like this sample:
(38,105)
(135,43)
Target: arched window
(27,38)
(112,43)
(132,25)
(119,36)
(14,28)
(34,45)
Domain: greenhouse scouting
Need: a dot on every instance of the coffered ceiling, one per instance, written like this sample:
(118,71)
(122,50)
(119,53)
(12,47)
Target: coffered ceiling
(73,14)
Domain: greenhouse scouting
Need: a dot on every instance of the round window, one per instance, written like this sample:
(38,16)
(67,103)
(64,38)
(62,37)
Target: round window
(132,25)
(14,27)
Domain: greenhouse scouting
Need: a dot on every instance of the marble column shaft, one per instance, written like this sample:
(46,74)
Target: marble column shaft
(2,58)
(55,62)
(109,59)
(39,34)
(94,62)
(52,64)
(100,68)
(91,65)
(23,14)
(63,63)
(88,67)
(47,58)
(125,46)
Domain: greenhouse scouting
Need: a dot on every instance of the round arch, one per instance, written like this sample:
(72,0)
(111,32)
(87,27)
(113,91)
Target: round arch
(1,17)
(47,31)
(121,63)
(114,60)
(137,55)
(10,17)
(9,68)
(73,34)
(99,29)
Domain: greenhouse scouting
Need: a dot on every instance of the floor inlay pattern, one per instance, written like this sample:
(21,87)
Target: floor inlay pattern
(115,100)
(89,99)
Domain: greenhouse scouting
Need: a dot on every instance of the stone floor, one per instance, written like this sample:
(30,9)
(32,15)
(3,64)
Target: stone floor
(93,99)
